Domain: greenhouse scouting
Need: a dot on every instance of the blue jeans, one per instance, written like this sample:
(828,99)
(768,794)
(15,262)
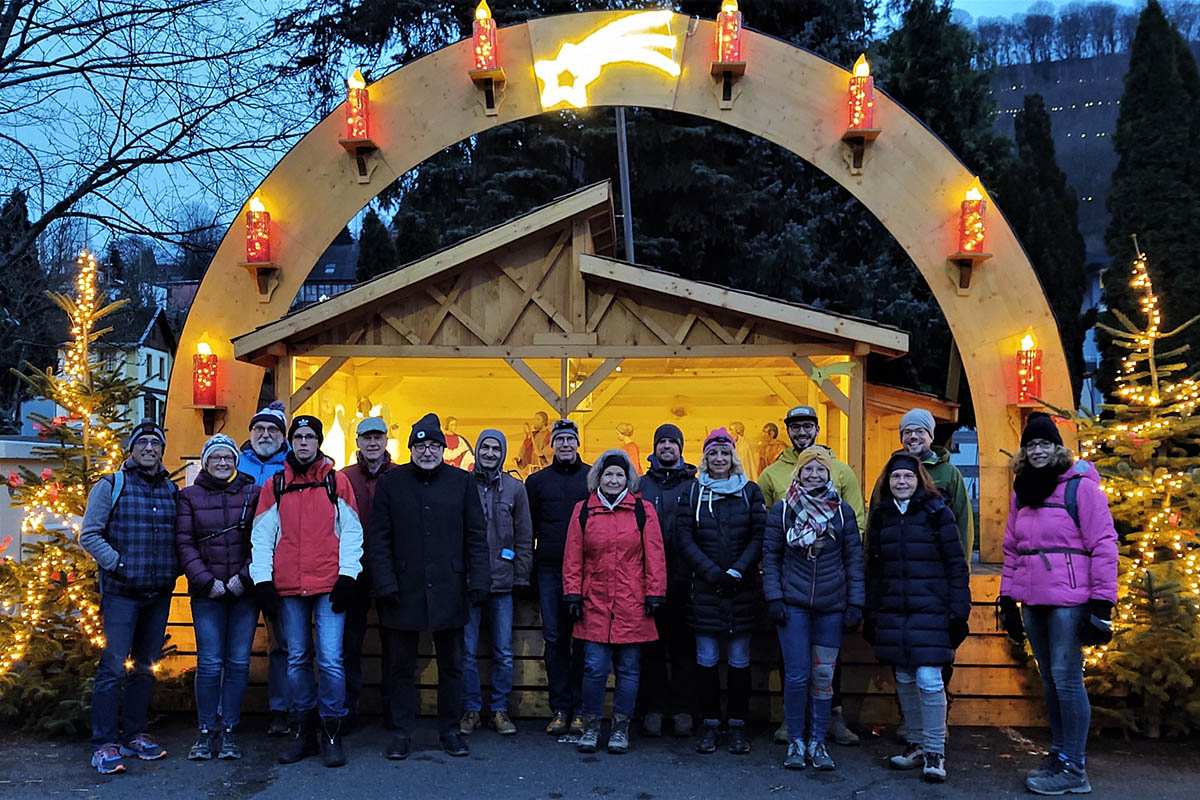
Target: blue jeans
(1053,633)
(299,616)
(737,649)
(224,635)
(564,662)
(809,643)
(500,620)
(133,629)
(622,659)
(278,691)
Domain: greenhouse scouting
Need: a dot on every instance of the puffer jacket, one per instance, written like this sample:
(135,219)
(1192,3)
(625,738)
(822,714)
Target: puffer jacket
(669,491)
(553,493)
(612,568)
(506,508)
(825,584)
(917,581)
(301,540)
(211,544)
(1051,561)
(720,532)
(775,480)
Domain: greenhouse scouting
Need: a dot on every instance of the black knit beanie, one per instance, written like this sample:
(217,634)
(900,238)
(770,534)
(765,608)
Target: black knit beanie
(1040,426)
(307,421)
(668,431)
(427,429)
(615,460)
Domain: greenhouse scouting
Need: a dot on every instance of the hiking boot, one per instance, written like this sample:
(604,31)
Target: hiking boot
(576,728)
(738,744)
(618,737)
(107,759)
(332,751)
(228,745)
(912,757)
(469,722)
(839,732)
(590,738)
(397,749)
(1048,764)
(279,725)
(558,724)
(652,724)
(818,756)
(144,748)
(710,733)
(935,768)
(304,741)
(1066,777)
(455,745)
(502,724)
(683,725)
(781,734)
(202,750)
(795,755)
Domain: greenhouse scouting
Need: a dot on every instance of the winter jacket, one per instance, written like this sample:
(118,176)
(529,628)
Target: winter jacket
(775,480)
(212,545)
(612,568)
(917,581)
(669,490)
(825,584)
(261,471)
(133,542)
(949,482)
(301,540)
(553,494)
(720,532)
(509,529)
(363,481)
(427,543)
(1088,570)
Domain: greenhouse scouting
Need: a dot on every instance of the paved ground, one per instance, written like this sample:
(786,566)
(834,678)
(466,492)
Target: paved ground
(984,763)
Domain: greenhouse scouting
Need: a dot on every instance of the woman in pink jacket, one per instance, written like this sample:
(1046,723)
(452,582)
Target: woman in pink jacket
(1060,564)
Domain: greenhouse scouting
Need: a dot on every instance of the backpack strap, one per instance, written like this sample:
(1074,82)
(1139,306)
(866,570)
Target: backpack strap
(118,485)
(583,515)
(329,482)
(639,513)
(1070,501)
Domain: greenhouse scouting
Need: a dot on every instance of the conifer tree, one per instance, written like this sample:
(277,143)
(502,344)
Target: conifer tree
(376,251)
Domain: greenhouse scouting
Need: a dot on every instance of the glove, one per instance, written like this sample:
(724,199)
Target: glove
(777,612)
(477,597)
(726,585)
(575,609)
(1096,628)
(342,594)
(217,589)
(868,631)
(1008,615)
(385,603)
(268,598)
(235,587)
(958,631)
(851,618)
(525,591)
(653,603)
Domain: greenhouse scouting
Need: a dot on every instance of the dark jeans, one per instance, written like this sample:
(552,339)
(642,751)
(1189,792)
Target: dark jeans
(668,665)
(1053,633)
(810,644)
(499,609)
(599,660)
(352,648)
(279,692)
(134,628)
(564,660)
(224,635)
(401,678)
(304,616)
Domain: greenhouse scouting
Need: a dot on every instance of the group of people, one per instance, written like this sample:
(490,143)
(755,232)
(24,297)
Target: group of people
(655,578)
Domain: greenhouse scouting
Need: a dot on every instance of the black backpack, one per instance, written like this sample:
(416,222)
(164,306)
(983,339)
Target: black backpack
(329,482)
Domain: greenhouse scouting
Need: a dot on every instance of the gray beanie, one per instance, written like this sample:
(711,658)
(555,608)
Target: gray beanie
(919,417)
(216,443)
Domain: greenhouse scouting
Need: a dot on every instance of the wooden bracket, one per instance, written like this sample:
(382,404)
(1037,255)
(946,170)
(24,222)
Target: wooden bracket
(856,141)
(366,156)
(209,415)
(965,263)
(727,73)
(266,278)
(491,82)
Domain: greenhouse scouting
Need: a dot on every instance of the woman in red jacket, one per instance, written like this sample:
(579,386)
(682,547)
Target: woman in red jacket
(614,580)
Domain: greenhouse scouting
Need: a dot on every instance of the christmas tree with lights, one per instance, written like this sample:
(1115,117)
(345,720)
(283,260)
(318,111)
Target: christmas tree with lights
(50,633)
(1146,446)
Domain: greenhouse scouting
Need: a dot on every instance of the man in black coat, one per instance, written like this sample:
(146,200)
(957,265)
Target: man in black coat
(667,485)
(427,543)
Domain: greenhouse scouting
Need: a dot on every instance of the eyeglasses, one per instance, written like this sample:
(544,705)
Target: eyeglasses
(1040,444)
(304,437)
(264,430)
(807,427)
(147,442)
(223,459)
(427,447)
(910,432)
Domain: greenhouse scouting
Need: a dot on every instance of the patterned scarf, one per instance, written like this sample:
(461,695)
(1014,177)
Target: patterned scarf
(814,511)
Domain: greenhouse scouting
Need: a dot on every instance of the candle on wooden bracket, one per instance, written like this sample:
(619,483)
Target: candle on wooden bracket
(358,107)
(258,233)
(204,376)
(861,96)
(483,34)
(972,227)
(1029,371)
(729,33)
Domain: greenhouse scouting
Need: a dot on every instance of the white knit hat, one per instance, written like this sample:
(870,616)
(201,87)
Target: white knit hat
(216,443)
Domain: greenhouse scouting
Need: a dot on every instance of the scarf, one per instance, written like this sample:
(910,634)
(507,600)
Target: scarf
(710,487)
(1033,486)
(610,505)
(813,512)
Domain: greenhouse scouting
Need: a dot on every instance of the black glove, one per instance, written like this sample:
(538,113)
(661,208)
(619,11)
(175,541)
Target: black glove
(958,631)
(268,598)
(653,603)
(574,605)
(477,597)
(342,594)
(525,591)
(777,612)
(851,618)
(868,631)
(1008,615)
(725,585)
(1096,628)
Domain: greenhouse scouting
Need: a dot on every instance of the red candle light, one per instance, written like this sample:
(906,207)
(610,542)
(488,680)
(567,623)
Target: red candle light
(1029,371)
(487,55)
(258,233)
(729,33)
(861,97)
(204,376)
(971,226)
(357,107)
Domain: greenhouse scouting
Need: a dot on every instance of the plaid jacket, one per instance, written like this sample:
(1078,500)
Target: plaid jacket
(141,530)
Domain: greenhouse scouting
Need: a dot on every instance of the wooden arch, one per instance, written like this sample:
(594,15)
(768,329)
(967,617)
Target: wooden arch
(910,180)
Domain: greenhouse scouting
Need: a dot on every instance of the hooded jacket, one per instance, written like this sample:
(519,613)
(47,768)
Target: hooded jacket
(211,545)
(1051,561)
(261,471)
(553,493)
(509,529)
(775,479)
(949,482)
(668,489)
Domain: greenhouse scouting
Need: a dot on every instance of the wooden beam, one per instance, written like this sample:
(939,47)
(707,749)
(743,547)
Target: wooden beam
(399,326)
(606,299)
(856,444)
(445,302)
(744,331)
(591,382)
(564,364)
(450,304)
(283,378)
(535,381)
(581,242)
(779,390)
(685,327)
(540,299)
(641,316)
(606,395)
(315,382)
(718,329)
(527,292)
(827,386)
(953,373)
(567,351)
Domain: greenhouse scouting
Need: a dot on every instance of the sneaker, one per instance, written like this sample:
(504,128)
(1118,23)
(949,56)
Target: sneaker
(935,768)
(683,725)
(795,755)
(738,744)
(144,748)
(1066,777)
(1049,764)
(709,735)
(576,728)
(107,760)
(781,734)
(618,737)
(502,724)
(229,747)
(202,750)
(469,722)
(652,724)
(912,757)
(589,739)
(279,725)
(558,724)
(818,756)
(839,731)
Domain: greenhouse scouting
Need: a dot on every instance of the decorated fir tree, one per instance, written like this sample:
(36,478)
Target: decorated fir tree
(1147,448)
(50,634)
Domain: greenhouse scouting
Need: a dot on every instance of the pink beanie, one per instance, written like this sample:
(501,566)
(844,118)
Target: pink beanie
(719,438)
